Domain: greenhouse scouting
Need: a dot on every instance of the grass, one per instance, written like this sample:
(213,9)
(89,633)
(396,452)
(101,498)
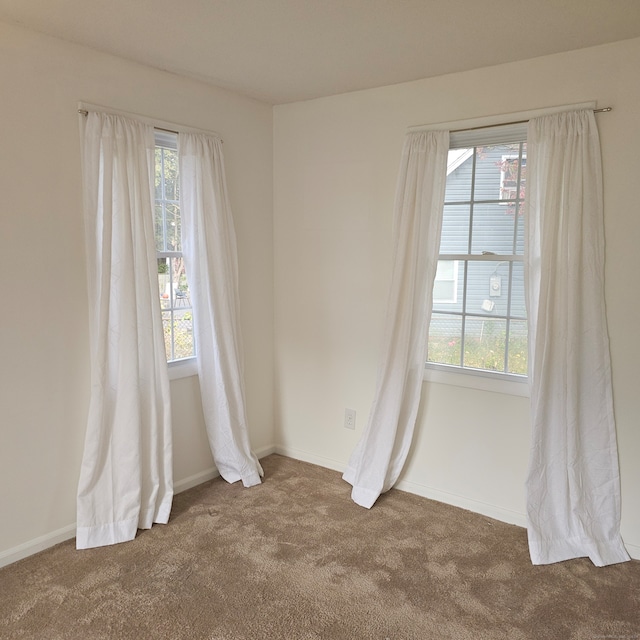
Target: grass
(484,351)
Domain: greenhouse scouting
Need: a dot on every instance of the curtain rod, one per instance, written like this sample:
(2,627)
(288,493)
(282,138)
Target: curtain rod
(85,113)
(501,124)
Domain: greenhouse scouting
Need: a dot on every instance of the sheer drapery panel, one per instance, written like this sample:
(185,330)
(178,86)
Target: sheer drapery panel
(573,485)
(209,248)
(379,456)
(126,475)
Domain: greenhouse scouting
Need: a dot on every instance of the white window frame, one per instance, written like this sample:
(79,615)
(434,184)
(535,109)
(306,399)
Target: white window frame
(188,366)
(460,377)
(453,280)
(502,382)
(179,367)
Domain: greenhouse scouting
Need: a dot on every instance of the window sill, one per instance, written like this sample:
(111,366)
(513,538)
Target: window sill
(476,380)
(183,368)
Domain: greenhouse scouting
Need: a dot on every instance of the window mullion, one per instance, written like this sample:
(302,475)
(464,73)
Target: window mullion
(164,199)
(516,215)
(463,324)
(471,203)
(508,323)
(463,337)
(518,202)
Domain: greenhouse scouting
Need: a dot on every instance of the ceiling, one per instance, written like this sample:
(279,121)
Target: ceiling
(283,51)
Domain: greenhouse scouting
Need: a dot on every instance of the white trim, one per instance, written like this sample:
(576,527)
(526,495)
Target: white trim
(183,368)
(48,540)
(492,511)
(195,480)
(211,473)
(305,456)
(500,119)
(36,545)
(477,506)
(473,379)
(265,451)
(456,158)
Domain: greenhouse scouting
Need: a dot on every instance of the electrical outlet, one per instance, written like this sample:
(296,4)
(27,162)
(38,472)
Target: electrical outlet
(349,419)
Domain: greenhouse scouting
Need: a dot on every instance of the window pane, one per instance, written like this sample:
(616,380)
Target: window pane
(447,288)
(518,307)
(175,302)
(496,175)
(459,172)
(445,339)
(158,174)
(174,233)
(169,170)
(518,347)
(183,333)
(476,304)
(159,227)
(444,291)
(455,229)
(173,288)
(180,287)
(164,282)
(487,179)
(487,288)
(484,343)
(520,231)
(493,229)
(166,329)
(171,190)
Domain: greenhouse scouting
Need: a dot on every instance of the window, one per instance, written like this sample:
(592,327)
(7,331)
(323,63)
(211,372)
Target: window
(173,288)
(482,325)
(512,177)
(445,288)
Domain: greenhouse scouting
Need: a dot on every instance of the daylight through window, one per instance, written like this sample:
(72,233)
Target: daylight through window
(173,288)
(479,318)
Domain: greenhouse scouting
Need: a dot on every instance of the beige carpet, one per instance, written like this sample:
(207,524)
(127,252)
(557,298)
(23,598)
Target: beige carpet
(295,559)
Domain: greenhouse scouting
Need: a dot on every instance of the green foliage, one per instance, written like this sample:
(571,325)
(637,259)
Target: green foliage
(182,336)
(485,351)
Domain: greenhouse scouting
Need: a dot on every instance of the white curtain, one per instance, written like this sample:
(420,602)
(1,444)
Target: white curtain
(209,249)
(380,454)
(573,486)
(126,475)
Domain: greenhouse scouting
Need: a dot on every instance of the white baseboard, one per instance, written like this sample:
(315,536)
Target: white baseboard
(305,456)
(47,540)
(210,474)
(265,451)
(37,544)
(504,515)
(489,510)
(195,480)
(484,508)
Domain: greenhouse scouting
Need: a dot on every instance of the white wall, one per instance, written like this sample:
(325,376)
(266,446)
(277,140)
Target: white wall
(335,166)
(44,375)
